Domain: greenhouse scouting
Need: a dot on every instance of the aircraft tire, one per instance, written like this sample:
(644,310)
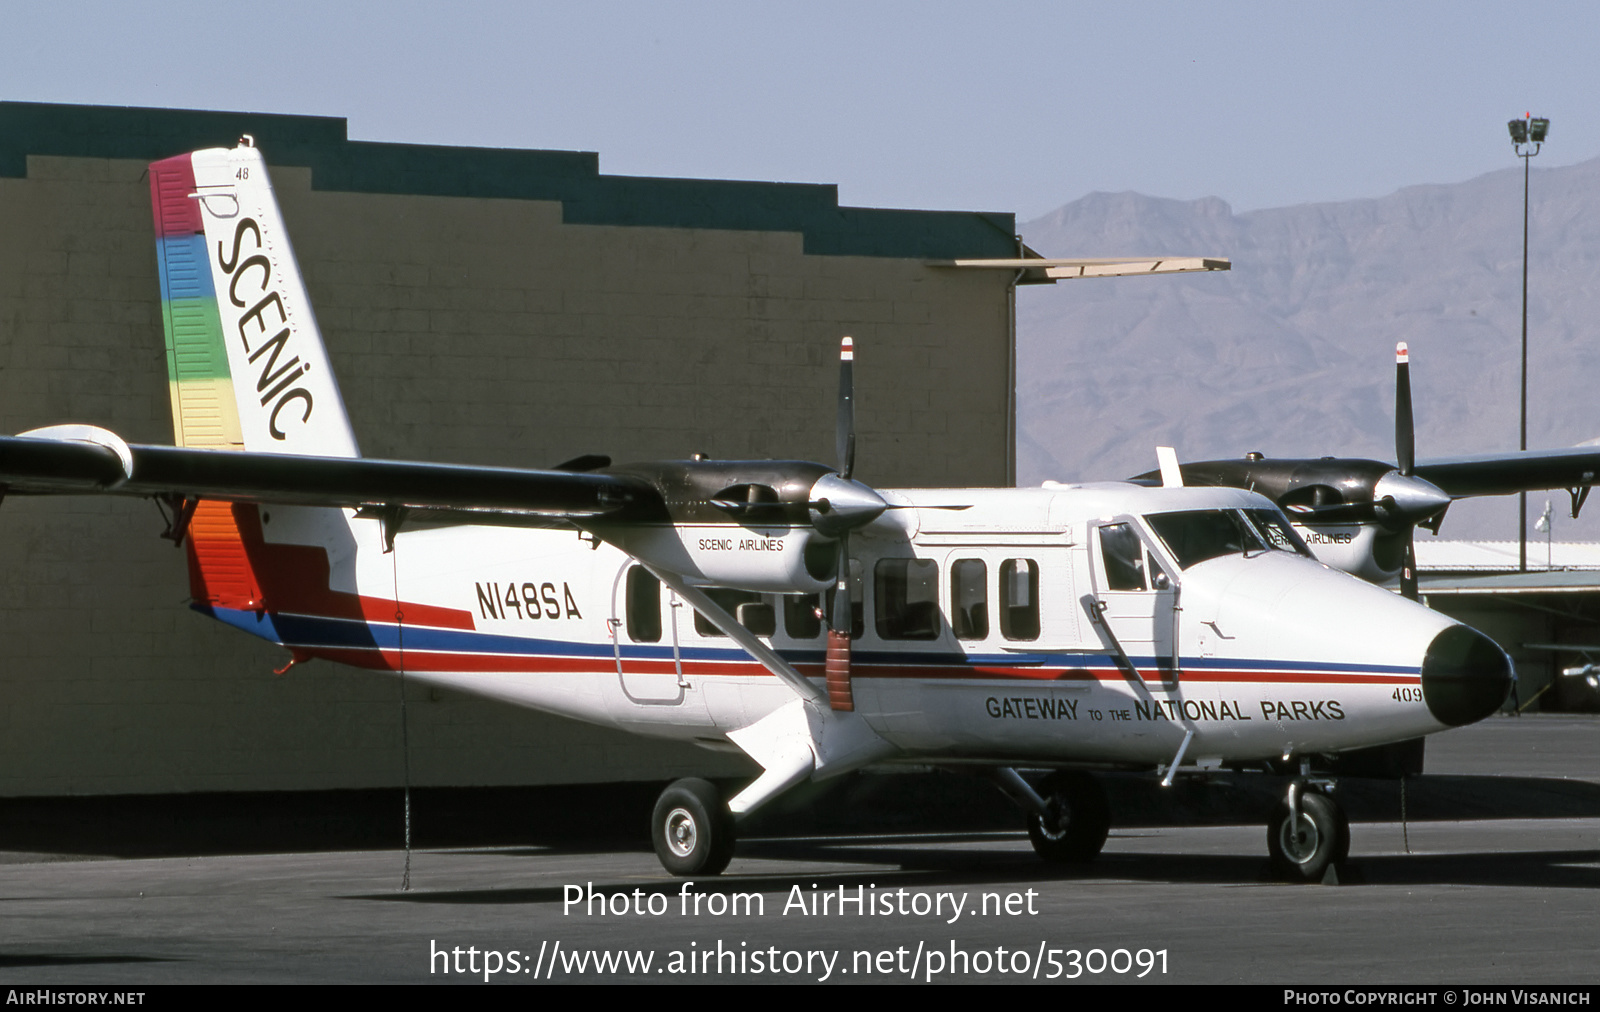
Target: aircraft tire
(692,829)
(1082,819)
(1321,840)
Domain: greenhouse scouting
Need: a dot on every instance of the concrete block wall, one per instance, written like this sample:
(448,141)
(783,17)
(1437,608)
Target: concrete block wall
(481,329)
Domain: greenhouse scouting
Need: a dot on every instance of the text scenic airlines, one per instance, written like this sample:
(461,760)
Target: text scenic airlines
(1113,626)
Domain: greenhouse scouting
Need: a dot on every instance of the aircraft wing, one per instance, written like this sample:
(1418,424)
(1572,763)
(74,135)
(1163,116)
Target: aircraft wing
(1507,473)
(101,463)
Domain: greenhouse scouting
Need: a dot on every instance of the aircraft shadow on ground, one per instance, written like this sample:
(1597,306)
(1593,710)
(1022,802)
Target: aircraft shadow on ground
(1578,869)
(16,962)
(1235,799)
(1001,869)
(926,862)
(565,820)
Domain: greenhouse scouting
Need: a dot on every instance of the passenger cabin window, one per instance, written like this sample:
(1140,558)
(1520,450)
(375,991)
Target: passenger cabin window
(800,616)
(969,599)
(906,599)
(733,602)
(1019,599)
(644,606)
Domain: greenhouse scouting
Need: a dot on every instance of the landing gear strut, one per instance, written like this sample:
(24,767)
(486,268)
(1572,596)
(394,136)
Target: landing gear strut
(1076,819)
(1307,835)
(692,829)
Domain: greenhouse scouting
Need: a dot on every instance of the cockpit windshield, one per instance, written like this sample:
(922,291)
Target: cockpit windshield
(1193,536)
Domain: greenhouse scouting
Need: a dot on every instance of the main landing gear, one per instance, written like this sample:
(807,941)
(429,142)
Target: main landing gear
(1307,836)
(692,829)
(1073,826)
(1068,821)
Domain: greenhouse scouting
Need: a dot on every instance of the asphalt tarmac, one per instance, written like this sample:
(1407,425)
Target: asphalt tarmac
(1475,901)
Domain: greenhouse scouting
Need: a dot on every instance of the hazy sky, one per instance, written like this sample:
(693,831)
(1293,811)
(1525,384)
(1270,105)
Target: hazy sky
(1008,107)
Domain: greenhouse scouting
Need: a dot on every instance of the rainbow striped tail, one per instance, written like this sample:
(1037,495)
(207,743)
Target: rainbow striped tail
(245,358)
(247,371)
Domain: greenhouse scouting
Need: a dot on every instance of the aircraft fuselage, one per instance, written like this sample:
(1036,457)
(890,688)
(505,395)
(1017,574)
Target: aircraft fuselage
(1046,626)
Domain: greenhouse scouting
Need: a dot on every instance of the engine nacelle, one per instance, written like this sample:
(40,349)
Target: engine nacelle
(780,560)
(1365,550)
(770,526)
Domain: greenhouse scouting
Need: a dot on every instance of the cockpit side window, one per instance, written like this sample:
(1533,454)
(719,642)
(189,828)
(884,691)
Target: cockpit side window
(1124,557)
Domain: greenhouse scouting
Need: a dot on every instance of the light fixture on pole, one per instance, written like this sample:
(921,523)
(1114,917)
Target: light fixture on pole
(1528,133)
(1542,525)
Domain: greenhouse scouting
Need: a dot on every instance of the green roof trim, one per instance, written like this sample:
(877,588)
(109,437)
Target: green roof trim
(322,144)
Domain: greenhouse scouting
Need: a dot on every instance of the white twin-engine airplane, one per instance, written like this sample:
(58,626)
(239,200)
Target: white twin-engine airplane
(831,625)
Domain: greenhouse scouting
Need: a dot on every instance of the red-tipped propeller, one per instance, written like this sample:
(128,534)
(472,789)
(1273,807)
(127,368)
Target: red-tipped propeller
(845,438)
(826,513)
(1405,455)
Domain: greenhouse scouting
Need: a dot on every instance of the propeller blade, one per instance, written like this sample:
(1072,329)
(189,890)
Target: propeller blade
(846,427)
(840,617)
(837,663)
(1408,569)
(1405,434)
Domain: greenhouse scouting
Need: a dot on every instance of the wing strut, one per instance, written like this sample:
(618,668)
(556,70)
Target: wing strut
(1580,495)
(719,617)
(178,510)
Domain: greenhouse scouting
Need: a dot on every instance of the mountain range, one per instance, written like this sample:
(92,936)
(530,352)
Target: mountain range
(1292,351)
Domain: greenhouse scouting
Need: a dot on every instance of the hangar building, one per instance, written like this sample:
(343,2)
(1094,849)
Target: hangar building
(481,306)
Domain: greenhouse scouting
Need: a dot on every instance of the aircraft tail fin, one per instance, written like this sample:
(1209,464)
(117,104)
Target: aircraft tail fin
(245,361)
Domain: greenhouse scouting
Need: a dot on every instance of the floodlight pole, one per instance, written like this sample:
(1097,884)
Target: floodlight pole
(1519,138)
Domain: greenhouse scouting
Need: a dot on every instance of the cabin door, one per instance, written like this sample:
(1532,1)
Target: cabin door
(1135,597)
(644,638)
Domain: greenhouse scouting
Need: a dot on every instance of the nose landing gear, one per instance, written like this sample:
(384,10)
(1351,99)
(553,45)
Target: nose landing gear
(1307,835)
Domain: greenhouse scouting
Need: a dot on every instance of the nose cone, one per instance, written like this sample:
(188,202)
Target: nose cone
(1465,676)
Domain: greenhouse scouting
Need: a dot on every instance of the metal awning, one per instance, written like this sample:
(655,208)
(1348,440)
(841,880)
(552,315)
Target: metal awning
(1555,581)
(1047,271)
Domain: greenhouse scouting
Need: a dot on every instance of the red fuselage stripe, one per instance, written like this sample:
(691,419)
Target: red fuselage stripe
(440,661)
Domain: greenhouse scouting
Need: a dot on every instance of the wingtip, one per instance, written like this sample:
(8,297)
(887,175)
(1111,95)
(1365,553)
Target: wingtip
(847,350)
(1401,355)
